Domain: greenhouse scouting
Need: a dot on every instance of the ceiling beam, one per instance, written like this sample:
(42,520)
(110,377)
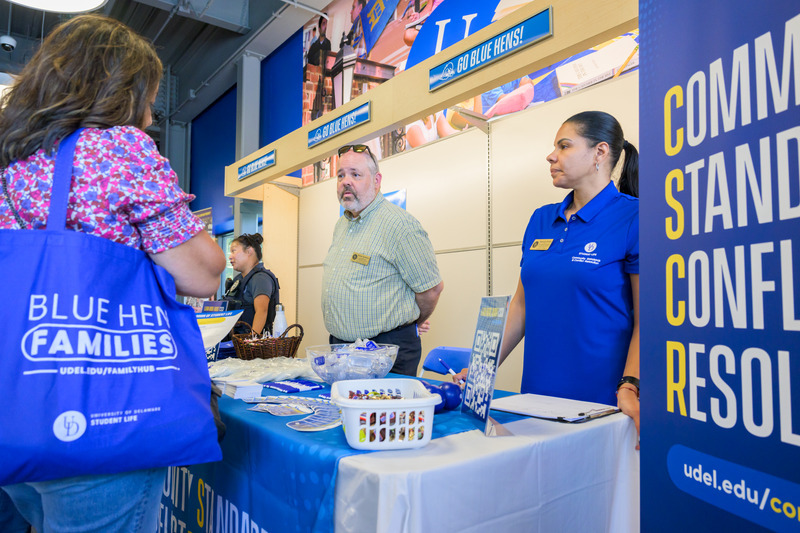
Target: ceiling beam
(199,88)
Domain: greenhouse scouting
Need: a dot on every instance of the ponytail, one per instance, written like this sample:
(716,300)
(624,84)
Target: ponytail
(629,178)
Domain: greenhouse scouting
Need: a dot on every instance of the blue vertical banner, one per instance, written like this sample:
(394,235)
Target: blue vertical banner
(720,265)
(374,17)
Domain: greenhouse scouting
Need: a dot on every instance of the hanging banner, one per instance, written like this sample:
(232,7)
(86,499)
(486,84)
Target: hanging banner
(720,257)
(265,161)
(526,33)
(374,18)
(356,117)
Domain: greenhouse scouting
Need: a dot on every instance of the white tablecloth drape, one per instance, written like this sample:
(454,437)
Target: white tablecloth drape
(548,477)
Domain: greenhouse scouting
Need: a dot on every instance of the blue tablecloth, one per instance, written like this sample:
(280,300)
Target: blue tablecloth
(271,478)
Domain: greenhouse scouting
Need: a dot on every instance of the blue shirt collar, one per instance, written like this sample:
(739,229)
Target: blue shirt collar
(595,205)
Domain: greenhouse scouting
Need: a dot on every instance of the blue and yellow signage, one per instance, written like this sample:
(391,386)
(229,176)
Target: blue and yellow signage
(526,33)
(720,256)
(265,161)
(356,117)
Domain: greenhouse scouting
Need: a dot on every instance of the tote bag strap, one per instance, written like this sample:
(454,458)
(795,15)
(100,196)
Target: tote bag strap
(62,179)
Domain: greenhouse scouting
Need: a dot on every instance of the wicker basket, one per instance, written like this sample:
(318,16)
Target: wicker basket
(251,346)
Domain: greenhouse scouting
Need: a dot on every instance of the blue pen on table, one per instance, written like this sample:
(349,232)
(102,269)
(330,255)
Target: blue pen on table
(450,370)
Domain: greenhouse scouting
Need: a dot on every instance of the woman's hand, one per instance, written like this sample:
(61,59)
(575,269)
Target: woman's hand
(628,402)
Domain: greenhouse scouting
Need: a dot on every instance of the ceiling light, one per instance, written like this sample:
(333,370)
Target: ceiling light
(61,6)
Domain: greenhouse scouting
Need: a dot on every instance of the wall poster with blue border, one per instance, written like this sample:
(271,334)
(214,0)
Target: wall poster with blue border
(720,265)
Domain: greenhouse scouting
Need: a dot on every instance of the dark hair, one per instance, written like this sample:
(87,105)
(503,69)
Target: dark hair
(91,71)
(319,23)
(251,241)
(629,180)
(597,127)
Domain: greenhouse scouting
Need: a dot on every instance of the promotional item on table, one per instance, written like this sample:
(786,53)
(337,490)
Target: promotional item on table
(364,359)
(293,385)
(483,363)
(385,414)
(262,370)
(215,322)
(323,414)
(238,388)
(450,370)
(283,409)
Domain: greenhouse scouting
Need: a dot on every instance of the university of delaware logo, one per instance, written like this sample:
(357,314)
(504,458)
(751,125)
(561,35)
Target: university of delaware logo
(588,255)
(69,426)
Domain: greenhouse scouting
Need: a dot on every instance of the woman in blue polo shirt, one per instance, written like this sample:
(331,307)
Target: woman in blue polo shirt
(577,301)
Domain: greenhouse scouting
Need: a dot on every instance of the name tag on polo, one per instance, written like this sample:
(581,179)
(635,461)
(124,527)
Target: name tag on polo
(541,244)
(361,259)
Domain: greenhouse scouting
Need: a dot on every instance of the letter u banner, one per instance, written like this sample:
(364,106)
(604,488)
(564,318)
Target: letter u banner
(720,265)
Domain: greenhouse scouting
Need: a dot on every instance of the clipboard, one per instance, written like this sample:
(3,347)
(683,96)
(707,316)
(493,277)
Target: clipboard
(551,408)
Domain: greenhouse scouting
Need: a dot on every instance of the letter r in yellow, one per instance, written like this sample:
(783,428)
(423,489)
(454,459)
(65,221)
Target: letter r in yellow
(676,388)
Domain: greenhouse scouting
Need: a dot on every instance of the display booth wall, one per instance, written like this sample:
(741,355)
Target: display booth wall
(474,194)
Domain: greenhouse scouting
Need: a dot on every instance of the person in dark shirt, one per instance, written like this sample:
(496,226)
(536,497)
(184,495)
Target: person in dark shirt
(255,289)
(319,48)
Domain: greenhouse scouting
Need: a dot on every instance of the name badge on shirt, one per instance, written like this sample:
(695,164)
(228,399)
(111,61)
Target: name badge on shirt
(232,288)
(361,259)
(541,244)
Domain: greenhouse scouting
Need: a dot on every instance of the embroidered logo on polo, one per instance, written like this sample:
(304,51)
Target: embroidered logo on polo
(588,255)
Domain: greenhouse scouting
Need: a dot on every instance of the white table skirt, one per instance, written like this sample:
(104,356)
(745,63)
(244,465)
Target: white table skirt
(549,477)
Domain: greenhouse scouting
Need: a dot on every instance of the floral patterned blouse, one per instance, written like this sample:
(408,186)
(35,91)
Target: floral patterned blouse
(122,190)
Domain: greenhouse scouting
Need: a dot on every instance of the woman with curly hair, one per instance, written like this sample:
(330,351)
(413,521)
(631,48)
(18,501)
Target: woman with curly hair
(95,74)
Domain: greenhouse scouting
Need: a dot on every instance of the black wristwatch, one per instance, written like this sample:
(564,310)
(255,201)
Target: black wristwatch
(628,379)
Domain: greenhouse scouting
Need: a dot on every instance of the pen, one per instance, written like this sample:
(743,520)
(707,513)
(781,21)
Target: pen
(591,415)
(450,370)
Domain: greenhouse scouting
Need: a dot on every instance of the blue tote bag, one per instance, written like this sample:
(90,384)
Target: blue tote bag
(103,371)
